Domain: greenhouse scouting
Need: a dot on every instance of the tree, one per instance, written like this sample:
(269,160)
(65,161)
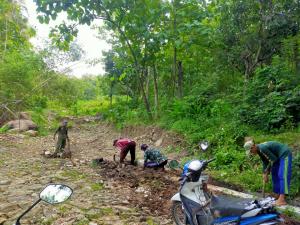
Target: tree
(252,32)
(122,17)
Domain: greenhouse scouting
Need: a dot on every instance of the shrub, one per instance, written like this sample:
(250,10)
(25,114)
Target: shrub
(295,181)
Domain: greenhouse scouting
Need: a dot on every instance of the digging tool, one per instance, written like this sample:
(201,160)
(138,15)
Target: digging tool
(263,188)
(69,149)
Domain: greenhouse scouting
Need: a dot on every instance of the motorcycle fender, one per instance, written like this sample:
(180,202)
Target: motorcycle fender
(251,213)
(176,197)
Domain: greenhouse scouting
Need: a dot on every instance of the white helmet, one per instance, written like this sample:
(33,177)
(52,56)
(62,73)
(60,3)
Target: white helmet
(195,165)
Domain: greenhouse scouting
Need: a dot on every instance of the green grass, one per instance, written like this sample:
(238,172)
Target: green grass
(82,222)
(48,221)
(150,221)
(248,180)
(73,174)
(92,216)
(290,212)
(290,138)
(97,186)
(4,129)
(62,209)
(2,161)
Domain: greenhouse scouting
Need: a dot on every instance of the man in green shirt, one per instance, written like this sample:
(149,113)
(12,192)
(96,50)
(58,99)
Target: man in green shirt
(276,157)
(63,137)
(153,157)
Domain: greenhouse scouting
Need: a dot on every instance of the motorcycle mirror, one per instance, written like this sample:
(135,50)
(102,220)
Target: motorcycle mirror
(204,145)
(56,193)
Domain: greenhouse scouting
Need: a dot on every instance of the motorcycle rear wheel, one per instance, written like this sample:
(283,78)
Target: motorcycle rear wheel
(178,213)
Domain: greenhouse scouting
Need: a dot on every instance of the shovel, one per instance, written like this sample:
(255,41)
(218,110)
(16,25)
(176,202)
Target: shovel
(263,188)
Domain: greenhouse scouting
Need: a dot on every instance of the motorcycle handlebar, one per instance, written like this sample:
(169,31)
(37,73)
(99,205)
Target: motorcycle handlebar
(210,160)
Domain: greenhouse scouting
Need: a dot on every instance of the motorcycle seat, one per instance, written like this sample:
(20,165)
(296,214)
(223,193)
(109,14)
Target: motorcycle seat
(229,206)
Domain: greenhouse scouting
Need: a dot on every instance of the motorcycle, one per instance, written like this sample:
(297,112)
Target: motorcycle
(194,205)
(52,194)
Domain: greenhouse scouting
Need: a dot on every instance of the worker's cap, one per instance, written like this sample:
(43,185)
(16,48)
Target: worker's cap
(144,147)
(115,142)
(247,146)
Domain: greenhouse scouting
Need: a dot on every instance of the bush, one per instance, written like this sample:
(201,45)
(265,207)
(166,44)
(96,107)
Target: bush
(272,99)
(295,181)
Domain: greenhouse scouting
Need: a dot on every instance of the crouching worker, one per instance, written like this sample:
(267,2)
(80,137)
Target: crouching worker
(63,137)
(276,158)
(125,145)
(153,158)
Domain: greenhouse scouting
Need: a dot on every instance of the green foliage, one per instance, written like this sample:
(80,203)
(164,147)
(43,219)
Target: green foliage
(39,118)
(272,98)
(91,107)
(3,129)
(295,181)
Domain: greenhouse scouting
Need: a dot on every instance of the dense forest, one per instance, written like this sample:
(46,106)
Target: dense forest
(216,70)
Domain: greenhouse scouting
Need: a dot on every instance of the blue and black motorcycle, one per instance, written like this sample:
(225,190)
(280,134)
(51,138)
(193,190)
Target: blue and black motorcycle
(194,204)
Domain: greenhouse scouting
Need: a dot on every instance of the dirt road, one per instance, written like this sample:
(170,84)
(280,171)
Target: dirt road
(104,194)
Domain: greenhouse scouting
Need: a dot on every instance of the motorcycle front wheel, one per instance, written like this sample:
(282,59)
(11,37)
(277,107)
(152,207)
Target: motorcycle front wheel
(178,213)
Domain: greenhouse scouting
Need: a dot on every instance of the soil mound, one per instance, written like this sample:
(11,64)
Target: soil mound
(150,190)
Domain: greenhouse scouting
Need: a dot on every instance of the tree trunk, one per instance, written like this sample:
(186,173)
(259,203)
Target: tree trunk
(146,101)
(146,77)
(6,38)
(136,63)
(180,79)
(139,74)
(111,94)
(174,75)
(296,57)
(156,104)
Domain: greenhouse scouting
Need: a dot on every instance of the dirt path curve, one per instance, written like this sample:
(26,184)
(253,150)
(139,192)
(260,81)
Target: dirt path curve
(102,194)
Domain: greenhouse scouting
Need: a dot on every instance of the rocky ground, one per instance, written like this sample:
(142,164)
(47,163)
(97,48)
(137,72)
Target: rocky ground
(103,194)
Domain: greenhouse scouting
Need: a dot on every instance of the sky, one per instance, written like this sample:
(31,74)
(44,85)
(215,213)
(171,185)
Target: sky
(86,38)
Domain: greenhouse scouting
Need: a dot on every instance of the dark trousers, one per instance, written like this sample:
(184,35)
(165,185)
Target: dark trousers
(129,148)
(155,164)
(60,145)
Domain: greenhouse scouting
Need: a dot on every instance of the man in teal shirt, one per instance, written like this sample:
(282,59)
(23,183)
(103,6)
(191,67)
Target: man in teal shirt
(276,157)
(153,157)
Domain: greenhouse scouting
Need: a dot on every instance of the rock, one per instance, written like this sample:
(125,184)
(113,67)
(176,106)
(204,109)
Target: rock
(13,131)
(25,116)
(3,218)
(5,182)
(158,142)
(34,195)
(143,219)
(32,133)
(140,190)
(22,125)
(9,208)
(47,153)
(125,202)
(83,162)
(140,163)
(92,223)
(2,149)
